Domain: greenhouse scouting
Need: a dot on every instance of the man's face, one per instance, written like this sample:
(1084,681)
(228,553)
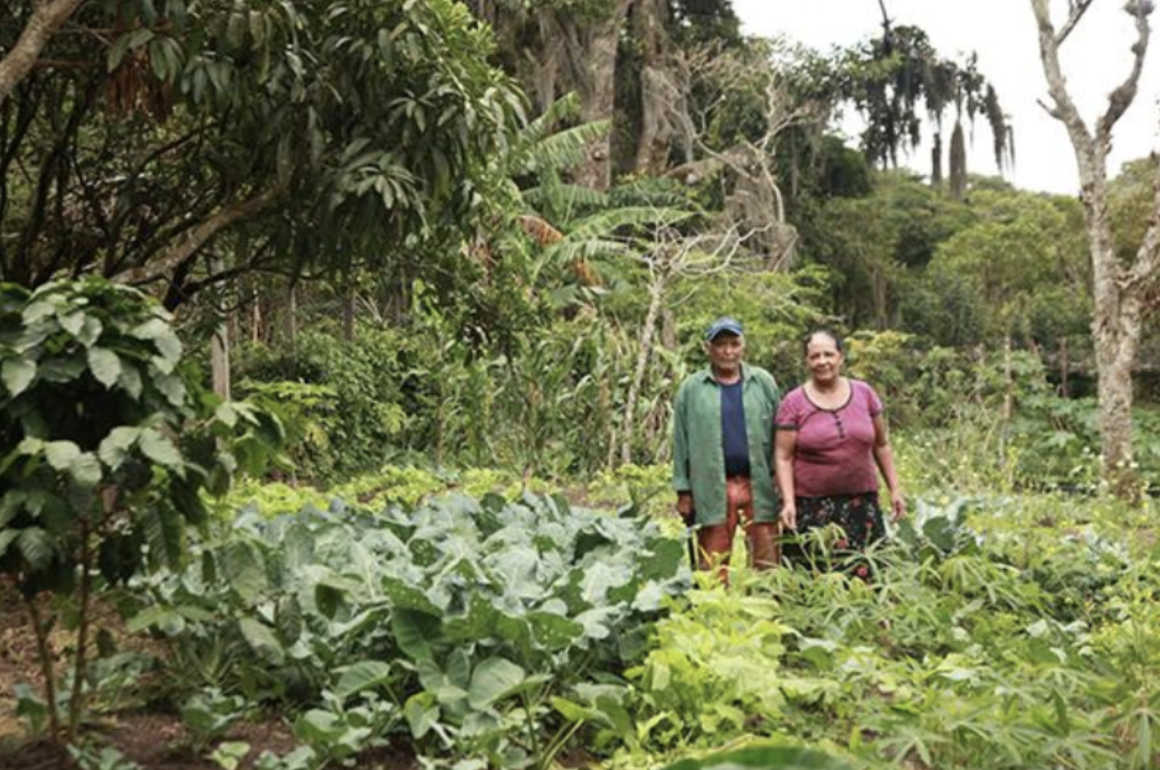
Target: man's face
(725,351)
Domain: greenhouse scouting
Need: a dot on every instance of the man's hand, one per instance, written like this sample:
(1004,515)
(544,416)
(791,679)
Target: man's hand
(685,508)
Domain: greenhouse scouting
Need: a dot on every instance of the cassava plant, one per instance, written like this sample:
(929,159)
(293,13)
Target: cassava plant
(105,453)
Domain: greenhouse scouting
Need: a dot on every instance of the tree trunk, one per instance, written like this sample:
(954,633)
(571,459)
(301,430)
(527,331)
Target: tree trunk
(219,358)
(348,302)
(598,91)
(256,318)
(936,176)
(1064,369)
(1116,338)
(958,164)
(219,350)
(658,92)
(1118,288)
(290,320)
(647,332)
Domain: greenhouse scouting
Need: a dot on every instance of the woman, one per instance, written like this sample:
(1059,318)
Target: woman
(831,443)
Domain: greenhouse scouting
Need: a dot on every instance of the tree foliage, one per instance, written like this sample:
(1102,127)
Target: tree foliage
(106,450)
(270,136)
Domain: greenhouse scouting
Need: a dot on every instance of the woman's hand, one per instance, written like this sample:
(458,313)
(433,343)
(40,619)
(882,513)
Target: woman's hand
(788,516)
(897,506)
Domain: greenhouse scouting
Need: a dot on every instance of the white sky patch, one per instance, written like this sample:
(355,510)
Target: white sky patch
(1096,59)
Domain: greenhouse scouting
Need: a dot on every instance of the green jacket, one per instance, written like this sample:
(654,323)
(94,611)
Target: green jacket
(698,458)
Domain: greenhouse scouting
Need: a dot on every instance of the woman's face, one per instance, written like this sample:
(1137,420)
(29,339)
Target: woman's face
(823,358)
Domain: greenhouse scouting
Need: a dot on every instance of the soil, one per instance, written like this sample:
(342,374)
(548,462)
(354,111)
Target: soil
(152,739)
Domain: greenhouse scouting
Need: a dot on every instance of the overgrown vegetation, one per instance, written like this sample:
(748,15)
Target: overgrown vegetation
(463,306)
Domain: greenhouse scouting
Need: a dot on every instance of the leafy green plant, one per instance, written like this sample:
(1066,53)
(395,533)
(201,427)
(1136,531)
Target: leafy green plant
(762,757)
(107,758)
(209,714)
(106,452)
(460,619)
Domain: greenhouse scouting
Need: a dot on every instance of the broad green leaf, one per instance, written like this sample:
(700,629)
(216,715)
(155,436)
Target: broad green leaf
(262,641)
(150,330)
(35,546)
(161,333)
(171,387)
(114,449)
(328,597)
(17,374)
(164,533)
(226,414)
(61,369)
(85,470)
(38,310)
(61,454)
(414,631)
(554,632)
(130,382)
(90,332)
(166,619)
(12,502)
(318,727)
(229,754)
(575,712)
(7,537)
(244,568)
(105,366)
(72,322)
(159,448)
(422,713)
(493,679)
(363,675)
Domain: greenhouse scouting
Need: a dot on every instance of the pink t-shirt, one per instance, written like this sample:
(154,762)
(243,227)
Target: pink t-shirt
(835,447)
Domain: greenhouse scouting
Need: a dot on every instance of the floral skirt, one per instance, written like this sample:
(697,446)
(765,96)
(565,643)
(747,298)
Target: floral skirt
(859,516)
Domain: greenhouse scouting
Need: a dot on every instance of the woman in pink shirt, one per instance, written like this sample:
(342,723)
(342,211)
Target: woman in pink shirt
(831,444)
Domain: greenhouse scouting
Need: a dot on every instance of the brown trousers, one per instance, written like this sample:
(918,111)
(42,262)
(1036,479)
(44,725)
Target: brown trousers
(715,542)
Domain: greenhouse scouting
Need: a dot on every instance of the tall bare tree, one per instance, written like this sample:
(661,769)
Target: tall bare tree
(1123,290)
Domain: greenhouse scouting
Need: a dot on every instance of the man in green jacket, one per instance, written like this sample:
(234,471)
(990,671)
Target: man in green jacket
(723,452)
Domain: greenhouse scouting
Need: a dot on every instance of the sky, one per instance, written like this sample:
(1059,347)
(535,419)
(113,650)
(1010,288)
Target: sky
(1095,60)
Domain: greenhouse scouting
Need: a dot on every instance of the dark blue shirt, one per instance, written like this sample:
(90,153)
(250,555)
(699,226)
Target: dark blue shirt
(734,440)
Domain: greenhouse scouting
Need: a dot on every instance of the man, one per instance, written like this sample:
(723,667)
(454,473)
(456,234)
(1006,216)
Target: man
(723,451)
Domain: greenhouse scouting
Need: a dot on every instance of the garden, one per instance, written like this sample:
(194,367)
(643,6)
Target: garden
(338,348)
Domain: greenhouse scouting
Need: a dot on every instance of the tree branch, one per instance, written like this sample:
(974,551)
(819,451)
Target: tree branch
(1077,11)
(1123,96)
(193,239)
(1065,110)
(47,18)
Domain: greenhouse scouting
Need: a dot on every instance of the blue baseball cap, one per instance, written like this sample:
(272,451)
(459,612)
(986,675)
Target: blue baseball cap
(723,324)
